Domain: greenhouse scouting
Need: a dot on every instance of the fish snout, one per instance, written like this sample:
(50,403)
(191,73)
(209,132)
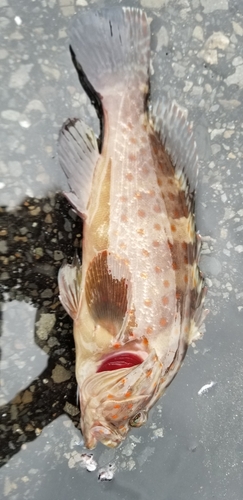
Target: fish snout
(103,434)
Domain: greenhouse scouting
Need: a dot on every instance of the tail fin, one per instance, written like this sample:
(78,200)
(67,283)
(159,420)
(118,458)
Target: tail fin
(111,45)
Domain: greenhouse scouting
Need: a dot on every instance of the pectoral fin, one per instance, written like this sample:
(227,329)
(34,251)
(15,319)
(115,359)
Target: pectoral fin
(78,155)
(69,282)
(107,290)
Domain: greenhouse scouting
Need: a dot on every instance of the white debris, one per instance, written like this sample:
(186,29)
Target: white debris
(236,78)
(209,6)
(88,462)
(239,248)
(162,38)
(106,473)
(18,20)
(206,387)
(24,123)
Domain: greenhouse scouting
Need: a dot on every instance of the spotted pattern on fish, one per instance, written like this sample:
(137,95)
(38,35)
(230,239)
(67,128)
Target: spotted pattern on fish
(138,301)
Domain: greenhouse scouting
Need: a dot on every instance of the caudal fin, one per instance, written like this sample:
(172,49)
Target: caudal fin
(111,45)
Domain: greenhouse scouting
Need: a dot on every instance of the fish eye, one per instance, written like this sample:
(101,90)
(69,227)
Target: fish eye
(139,419)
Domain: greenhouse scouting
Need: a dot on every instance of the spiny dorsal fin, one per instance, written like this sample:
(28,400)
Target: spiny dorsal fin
(107,289)
(69,282)
(170,122)
(78,155)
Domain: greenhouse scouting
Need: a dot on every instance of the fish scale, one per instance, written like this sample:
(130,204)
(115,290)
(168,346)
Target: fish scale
(137,301)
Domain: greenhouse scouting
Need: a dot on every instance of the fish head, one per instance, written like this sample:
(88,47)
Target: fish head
(113,402)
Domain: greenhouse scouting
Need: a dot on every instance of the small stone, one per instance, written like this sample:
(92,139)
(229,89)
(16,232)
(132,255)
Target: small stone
(162,38)
(45,325)
(230,104)
(3,246)
(188,85)
(198,33)
(62,33)
(20,77)
(67,226)
(50,71)
(210,56)
(34,210)
(8,486)
(27,397)
(35,105)
(237,28)
(52,341)
(47,208)
(4,276)
(228,134)
(48,219)
(60,374)
(153,4)
(47,294)
(29,428)
(58,255)
(210,6)
(11,115)
(239,248)
(236,78)
(39,252)
(71,409)
(215,148)
(217,41)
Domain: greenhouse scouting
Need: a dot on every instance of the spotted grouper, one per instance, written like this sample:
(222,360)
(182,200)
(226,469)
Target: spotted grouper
(137,300)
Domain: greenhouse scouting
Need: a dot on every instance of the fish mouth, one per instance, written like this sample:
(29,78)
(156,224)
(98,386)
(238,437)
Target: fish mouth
(120,360)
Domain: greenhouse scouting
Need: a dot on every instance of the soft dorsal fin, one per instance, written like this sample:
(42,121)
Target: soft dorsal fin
(170,122)
(107,289)
(78,155)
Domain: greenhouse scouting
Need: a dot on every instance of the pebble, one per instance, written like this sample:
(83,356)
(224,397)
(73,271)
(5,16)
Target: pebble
(39,252)
(3,246)
(210,6)
(239,248)
(47,294)
(21,76)
(198,33)
(11,115)
(60,374)
(71,409)
(236,78)
(58,255)
(45,325)
(162,38)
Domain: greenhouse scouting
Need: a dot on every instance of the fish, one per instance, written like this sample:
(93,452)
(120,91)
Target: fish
(137,299)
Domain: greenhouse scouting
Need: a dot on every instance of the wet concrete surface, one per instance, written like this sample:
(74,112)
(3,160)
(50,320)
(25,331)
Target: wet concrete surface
(191,445)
